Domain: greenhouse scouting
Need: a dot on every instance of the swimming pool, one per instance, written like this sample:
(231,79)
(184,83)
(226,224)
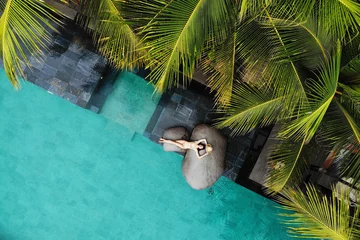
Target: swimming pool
(67,173)
(131,103)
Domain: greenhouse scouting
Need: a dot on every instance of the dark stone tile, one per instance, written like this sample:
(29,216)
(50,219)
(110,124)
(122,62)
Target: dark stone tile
(205,102)
(64,76)
(239,162)
(98,100)
(84,67)
(81,103)
(198,116)
(55,52)
(54,60)
(56,49)
(77,84)
(154,138)
(183,110)
(77,47)
(146,134)
(100,66)
(165,98)
(180,117)
(158,130)
(94,109)
(229,158)
(154,119)
(36,63)
(72,55)
(234,148)
(187,93)
(105,88)
(167,120)
(188,103)
(49,70)
(68,62)
(56,90)
(58,83)
(60,40)
(31,78)
(43,84)
(85,96)
(176,98)
(71,98)
(79,76)
(73,90)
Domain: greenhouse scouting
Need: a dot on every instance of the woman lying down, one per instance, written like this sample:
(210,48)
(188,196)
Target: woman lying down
(201,147)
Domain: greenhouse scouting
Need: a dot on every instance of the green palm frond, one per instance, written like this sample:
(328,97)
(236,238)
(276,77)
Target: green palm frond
(282,71)
(284,164)
(221,64)
(350,53)
(113,35)
(222,70)
(323,90)
(22,30)
(303,41)
(177,34)
(251,8)
(253,49)
(350,168)
(295,10)
(315,216)
(339,127)
(339,17)
(249,108)
(350,98)
(352,123)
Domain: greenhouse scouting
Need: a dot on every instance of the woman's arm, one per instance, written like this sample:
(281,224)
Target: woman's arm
(201,141)
(172,142)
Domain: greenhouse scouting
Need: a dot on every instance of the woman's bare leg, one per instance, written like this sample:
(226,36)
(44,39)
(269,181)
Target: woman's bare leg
(176,143)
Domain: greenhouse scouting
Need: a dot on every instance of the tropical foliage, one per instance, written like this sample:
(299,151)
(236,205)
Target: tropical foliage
(292,63)
(314,216)
(23,29)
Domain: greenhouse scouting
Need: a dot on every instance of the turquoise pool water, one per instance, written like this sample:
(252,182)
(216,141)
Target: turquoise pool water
(131,103)
(67,173)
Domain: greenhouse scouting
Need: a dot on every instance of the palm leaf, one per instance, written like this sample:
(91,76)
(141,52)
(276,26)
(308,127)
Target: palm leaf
(249,108)
(351,122)
(341,130)
(339,127)
(22,30)
(350,168)
(177,34)
(222,70)
(339,17)
(350,98)
(288,154)
(295,10)
(323,91)
(282,71)
(221,64)
(113,35)
(318,217)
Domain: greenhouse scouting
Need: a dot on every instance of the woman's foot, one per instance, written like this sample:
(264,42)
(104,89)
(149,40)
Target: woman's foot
(161,140)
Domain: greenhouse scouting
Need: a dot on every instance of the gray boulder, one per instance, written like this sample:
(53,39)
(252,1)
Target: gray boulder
(203,173)
(176,133)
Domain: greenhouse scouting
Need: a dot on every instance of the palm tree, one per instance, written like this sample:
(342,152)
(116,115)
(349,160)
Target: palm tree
(24,28)
(290,63)
(313,216)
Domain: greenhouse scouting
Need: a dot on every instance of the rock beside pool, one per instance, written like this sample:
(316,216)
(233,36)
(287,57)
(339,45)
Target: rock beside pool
(176,133)
(203,173)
